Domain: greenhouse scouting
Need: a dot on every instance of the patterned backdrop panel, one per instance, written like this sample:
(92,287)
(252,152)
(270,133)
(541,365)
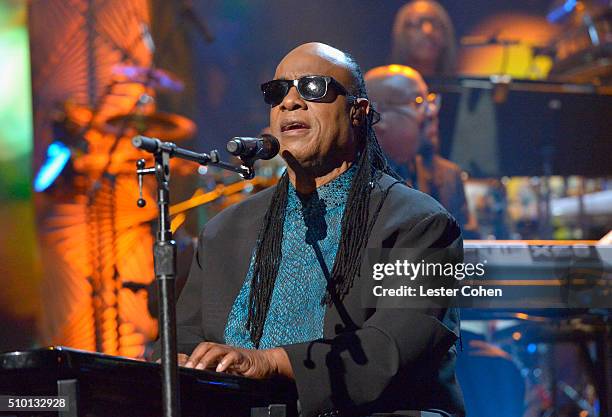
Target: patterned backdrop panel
(92,236)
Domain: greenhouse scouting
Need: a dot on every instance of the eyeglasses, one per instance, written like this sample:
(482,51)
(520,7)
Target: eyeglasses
(420,23)
(430,99)
(309,87)
(420,103)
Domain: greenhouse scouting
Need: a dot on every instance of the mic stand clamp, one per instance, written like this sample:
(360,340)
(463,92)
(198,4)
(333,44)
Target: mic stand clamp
(164,250)
(246,170)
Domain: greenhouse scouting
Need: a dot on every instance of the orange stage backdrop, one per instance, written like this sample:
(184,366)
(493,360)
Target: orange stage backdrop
(92,237)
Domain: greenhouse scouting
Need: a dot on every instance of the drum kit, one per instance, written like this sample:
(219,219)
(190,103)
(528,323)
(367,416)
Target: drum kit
(95,234)
(105,146)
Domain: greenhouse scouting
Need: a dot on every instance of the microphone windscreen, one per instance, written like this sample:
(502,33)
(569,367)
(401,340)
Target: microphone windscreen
(233,147)
(271,146)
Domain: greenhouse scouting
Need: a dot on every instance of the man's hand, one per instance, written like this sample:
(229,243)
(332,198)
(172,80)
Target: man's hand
(258,364)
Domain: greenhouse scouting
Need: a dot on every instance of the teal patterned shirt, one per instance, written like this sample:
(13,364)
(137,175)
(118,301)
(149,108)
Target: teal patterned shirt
(311,234)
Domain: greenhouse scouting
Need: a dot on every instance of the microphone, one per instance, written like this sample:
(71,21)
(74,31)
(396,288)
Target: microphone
(266,147)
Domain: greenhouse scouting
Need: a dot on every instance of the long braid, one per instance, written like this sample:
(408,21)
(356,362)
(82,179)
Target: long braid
(354,226)
(356,223)
(268,256)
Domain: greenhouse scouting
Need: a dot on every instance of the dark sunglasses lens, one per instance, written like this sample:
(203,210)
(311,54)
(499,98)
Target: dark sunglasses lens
(312,88)
(274,92)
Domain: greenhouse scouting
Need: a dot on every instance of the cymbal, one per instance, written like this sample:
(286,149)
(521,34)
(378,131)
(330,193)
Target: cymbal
(77,116)
(156,78)
(166,126)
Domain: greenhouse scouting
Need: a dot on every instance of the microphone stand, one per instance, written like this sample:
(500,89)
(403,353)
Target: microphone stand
(164,251)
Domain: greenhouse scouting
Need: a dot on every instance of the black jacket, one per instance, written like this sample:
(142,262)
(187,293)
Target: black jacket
(396,359)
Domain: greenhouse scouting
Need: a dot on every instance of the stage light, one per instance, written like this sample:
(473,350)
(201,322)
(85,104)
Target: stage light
(58,156)
(562,11)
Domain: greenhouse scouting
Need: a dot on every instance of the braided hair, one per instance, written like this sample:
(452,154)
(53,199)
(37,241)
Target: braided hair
(356,222)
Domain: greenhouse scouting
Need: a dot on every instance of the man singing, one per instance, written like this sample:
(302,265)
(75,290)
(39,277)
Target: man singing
(275,286)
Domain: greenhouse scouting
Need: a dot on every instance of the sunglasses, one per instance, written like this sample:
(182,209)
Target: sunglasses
(309,87)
